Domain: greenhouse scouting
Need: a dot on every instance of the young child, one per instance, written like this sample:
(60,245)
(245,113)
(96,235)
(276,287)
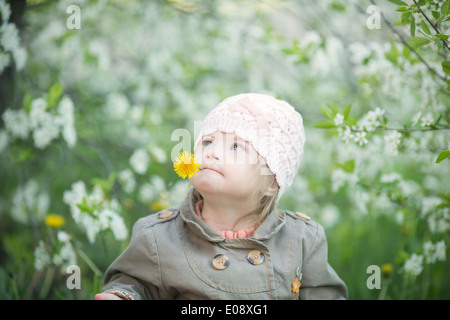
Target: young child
(228,239)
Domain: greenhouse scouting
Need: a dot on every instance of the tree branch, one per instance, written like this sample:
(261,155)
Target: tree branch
(402,39)
(402,130)
(434,26)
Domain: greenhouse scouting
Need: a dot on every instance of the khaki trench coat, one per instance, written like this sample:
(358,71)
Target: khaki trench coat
(173,254)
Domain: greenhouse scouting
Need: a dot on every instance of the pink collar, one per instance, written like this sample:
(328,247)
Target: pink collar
(243,233)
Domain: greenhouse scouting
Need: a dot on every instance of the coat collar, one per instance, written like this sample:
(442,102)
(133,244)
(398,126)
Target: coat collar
(268,228)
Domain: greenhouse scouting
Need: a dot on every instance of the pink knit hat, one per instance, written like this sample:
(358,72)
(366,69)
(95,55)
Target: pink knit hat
(271,126)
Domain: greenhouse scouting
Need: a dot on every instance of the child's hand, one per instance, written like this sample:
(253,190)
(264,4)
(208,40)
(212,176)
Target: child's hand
(106,296)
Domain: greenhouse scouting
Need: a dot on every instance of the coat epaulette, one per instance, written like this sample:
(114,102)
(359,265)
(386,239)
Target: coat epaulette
(299,215)
(164,215)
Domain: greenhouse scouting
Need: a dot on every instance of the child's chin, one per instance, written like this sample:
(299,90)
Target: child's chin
(204,184)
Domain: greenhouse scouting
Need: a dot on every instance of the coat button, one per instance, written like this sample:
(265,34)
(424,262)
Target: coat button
(165,214)
(221,262)
(255,257)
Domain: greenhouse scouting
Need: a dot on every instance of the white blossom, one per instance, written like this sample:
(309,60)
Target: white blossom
(61,255)
(429,204)
(434,252)
(413,265)
(439,221)
(371,120)
(159,154)
(361,200)
(66,255)
(416,119)
(339,178)
(43,135)
(338,119)
(379,113)
(330,215)
(66,120)
(346,134)
(390,177)
(427,120)
(127,180)
(392,142)
(20,57)
(38,113)
(105,218)
(140,160)
(360,137)
(146,193)
(9,39)
(29,200)
(41,256)
(117,105)
(5,10)
(16,123)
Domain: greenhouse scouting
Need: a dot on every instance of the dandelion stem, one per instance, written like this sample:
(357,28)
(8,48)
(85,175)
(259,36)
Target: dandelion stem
(88,261)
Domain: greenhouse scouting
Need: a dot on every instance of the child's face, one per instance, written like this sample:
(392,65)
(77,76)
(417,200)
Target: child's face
(230,166)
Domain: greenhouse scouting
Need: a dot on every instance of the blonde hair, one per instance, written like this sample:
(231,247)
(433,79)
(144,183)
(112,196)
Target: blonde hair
(265,199)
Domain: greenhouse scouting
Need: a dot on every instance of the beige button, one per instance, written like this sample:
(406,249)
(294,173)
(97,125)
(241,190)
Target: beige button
(221,262)
(302,215)
(255,257)
(165,214)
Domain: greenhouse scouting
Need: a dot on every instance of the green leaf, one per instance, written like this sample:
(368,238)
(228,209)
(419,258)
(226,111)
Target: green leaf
(405,16)
(54,94)
(446,67)
(26,101)
(442,36)
(346,111)
(398,2)
(392,54)
(348,166)
(435,14)
(445,8)
(326,112)
(23,156)
(425,28)
(443,155)
(325,125)
(338,6)
(413,26)
(418,41)
(334,108)
(402,9)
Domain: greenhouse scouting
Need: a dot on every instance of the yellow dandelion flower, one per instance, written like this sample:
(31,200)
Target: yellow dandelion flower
(386,269)
(185,165)
(54,220)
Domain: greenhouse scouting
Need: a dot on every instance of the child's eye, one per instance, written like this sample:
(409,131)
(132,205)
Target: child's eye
(237,147)
(207,142)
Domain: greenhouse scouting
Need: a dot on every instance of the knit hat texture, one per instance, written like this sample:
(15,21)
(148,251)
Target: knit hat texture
(273,127)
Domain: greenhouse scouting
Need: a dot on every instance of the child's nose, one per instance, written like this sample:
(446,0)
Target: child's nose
(215,151)
(211,154)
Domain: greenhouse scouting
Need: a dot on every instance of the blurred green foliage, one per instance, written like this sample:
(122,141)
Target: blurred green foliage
(88,114)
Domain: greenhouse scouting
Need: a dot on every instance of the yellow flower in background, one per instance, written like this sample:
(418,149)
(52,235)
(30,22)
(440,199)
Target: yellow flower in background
(185,165)
(54,220)
(386,269)
(159,205)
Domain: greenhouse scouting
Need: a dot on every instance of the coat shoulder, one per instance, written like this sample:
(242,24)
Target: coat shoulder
(154,219)
(306,228)
(301,218)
